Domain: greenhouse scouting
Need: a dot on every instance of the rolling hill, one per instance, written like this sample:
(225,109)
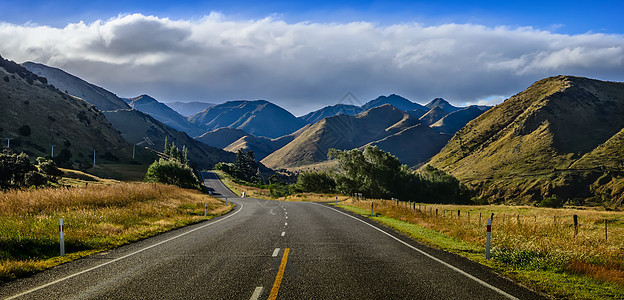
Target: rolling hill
(259,117)
(36,116)
(101,98)
(163,113)
(560,137)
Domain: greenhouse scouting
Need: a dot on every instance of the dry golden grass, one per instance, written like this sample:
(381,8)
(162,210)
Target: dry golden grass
(96,217)
(526,237)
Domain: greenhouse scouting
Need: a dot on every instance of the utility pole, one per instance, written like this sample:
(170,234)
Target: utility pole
(133,145)
(52,151)
(8,142)
(93,157)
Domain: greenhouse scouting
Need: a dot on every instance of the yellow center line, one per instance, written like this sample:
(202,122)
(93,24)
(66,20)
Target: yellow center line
(280,276)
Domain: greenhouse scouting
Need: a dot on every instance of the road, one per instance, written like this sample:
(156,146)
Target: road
(262,249)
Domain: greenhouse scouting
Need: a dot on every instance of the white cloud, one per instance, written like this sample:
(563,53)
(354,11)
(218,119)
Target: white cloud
(215,58)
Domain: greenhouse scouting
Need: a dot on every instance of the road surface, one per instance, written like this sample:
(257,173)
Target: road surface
(265,249)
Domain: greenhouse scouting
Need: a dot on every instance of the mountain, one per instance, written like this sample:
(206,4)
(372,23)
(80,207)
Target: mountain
(163,113)
(396,101)
(36,116)
(101,98)
(188,109)
(222,137)
(561,137)
(433,115)
(454,121)
(259,117)
(330,111)
(340,132)
(263,146)
(144,130)
(443,104)
(413,145)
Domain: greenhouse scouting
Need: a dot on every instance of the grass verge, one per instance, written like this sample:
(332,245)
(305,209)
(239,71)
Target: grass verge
(560,275)
(96,217)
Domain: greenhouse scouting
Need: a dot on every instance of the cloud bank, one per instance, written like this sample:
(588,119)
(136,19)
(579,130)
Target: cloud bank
(304,66)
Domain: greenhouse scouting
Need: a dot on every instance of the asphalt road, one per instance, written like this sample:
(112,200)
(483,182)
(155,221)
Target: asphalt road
(291,250)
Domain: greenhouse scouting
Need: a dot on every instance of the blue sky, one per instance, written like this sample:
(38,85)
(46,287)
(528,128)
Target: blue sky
(570,17)
(304,55)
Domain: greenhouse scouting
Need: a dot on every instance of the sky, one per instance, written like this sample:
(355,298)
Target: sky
(303,55)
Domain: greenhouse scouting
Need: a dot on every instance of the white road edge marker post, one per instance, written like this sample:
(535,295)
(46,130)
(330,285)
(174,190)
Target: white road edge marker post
(61,237)
(488,238)
(205,210)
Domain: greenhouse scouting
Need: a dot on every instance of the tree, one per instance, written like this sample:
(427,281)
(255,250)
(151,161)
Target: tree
(318,182)
(246,167)
(373,172)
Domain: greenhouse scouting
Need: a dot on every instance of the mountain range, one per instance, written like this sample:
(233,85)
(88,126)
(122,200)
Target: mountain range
(385,126)
(163,113)
(561,137)
(134,126)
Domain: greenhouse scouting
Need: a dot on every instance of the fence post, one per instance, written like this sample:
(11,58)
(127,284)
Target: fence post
(575,218)
(488,238)
(61,237)
(458,214)
(436,212)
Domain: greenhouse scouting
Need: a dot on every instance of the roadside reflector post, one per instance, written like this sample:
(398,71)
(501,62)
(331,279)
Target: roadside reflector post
(372,206)
(488,238)
(605,221)
(336,204)
(458,214)
(575,219)
(62,237)
(436,212)
(205,210)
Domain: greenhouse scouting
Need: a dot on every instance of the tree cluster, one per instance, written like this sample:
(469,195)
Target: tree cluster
(378,174)
(16,170)
(245,168)
(174,169)
(174,152)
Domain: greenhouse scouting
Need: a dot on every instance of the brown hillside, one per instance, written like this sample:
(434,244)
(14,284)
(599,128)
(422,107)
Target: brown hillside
(532,145)
(36,116)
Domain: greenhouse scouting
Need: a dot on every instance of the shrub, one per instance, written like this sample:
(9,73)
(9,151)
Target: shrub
(553,202)
(24,130)
(172,172)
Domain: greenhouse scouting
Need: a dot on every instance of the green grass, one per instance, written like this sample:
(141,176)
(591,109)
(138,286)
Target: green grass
(551,280)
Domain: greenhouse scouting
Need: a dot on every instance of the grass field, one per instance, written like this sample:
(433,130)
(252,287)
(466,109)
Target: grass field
(100,216)
(535,246)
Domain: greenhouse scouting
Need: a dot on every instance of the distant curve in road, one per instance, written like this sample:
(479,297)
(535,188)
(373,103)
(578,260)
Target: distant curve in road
(331,255)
